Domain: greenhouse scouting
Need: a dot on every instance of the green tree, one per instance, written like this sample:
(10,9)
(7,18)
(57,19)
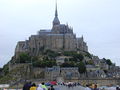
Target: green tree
(44,63)
(34,59)
(69,53)
(90,62)
(37,63)
(87,54)
(51,54)
(51,63)
(81,67)
(78,57)
(75,55)
(23,58)
(68,64)
(66,60)
(6,69)
(108,61)
(72,59)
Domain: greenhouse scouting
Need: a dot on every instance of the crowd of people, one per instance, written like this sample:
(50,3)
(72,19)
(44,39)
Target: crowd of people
(33,86)
(88,86)
(69,85)
(94,87)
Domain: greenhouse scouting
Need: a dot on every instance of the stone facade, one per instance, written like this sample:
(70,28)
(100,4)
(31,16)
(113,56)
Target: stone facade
(61,59)
(66,73)
(60,37)
(70,73)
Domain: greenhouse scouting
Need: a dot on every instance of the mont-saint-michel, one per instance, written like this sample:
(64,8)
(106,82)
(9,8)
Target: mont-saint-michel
(57,54)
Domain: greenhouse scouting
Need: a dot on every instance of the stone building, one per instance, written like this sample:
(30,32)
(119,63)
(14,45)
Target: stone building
(70,73)
(52,73)
(61,59)
(60,37)
(66,73)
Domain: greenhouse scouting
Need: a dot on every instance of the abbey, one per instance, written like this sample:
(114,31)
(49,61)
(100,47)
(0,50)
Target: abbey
(60,37)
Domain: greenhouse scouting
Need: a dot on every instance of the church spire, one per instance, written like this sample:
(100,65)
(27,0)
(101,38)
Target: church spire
(56,13)
(82,38)
(56,20)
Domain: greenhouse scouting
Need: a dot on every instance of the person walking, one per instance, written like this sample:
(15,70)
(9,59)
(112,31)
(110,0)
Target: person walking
(95,87)
(43,86)
(51,88)
(87,87)
(33,87)
(27,86)
(39,87)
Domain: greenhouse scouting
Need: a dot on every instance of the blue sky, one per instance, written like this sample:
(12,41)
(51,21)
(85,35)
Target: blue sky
(97,20)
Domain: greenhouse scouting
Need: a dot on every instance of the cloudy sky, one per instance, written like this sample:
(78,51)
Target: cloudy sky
(97,20)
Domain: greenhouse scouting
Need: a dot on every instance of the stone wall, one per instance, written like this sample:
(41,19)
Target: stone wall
(11,66)
(100,82)
(38,73)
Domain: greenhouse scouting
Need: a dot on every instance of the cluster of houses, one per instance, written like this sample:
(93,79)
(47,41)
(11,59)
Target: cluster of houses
(99,69)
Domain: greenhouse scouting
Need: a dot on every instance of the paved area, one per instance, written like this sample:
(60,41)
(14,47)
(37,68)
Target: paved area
(66,88)
(59,88)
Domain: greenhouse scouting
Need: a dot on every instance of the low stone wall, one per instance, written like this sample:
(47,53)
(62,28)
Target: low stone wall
(100,82)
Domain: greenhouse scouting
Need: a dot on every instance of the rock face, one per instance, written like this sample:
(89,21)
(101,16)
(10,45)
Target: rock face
(60,37)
